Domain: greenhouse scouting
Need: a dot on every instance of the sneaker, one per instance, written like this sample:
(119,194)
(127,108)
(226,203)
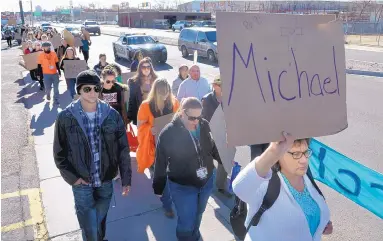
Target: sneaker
(48,97)
(169,213)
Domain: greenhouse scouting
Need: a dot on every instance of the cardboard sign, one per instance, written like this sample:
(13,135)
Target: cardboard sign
(86,34)
(161,122)
(12,22)
(56,41)
(18,36)
(281,72)
(77,42)
(30,60)
(73,67)
(68,37)
(218,130)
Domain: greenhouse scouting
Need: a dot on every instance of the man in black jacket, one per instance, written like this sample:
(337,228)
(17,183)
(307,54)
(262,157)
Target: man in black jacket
(210,103)
(89,146)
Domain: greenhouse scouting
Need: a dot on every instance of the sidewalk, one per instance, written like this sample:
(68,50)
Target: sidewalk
(138,217)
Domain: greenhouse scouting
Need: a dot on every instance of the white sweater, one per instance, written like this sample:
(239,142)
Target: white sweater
(285,220)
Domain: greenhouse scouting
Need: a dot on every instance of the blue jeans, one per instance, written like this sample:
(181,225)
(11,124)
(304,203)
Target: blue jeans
(166,198)
(50,79)
(71,86)
(190,203)
(92,205)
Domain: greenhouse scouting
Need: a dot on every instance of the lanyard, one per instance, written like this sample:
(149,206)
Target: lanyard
(197,149)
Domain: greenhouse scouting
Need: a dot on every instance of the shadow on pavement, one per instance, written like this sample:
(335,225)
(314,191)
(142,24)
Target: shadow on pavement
(20,82)
(31,100)
(164,66)
(44,120)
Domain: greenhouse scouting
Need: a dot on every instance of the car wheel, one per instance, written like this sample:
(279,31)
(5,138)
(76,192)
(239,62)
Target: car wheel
(173,29)
(184,51)
(211,56)
(99,33)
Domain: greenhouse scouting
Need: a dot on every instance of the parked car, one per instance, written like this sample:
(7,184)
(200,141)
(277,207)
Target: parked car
(206,23)
(128,44)
(92,27)
(179,25)
(204,40)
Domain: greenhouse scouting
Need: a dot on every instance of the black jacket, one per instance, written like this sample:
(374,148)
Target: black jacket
(177,158)
(209,104)
(135,100)
(72,152)
(99,68)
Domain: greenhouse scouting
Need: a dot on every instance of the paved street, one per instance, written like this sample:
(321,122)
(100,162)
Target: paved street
(361,141)
(21,210)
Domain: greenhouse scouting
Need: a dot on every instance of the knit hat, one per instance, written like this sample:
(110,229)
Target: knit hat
(217,80)
(46,44)
(87,77)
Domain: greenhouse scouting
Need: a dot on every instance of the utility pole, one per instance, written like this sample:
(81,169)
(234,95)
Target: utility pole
(21,12)
(31,14)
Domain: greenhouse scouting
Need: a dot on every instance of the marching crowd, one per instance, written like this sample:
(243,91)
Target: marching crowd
(91,149)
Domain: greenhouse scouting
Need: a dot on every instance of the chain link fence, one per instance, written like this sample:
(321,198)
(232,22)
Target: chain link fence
(364,33)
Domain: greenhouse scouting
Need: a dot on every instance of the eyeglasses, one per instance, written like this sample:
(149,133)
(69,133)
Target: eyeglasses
(96,89)
(299,154)
(110,81)
(146,66)
(193,118)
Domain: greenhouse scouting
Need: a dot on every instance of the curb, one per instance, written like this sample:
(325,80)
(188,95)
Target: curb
(364,72)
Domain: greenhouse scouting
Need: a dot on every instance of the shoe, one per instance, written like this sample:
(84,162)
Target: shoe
(42,88)
(169,213)
(48,97)
(225,193)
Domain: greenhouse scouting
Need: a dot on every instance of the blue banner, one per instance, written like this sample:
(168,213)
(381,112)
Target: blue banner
(358,183)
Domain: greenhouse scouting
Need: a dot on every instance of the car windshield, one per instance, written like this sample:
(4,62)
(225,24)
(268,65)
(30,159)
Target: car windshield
(211,36)
(140,40)
(90,23)
(45,25)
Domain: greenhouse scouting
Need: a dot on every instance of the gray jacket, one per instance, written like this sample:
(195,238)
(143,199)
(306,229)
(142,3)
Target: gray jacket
(176,85)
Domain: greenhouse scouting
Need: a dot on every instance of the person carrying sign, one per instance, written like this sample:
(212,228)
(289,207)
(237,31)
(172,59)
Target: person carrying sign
(140,86)
(160,102)
(85,47)
(30,50)
(101,64)
(38,75)
(210,103)
(70,82)
(89,147)
(44,39)
(194,86)
(48,66)
(61,50)
(184,158)
(8,37)
(299,212)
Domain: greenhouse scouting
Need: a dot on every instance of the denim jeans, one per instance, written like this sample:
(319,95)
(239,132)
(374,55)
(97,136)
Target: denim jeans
(92,205)
(71,86)
(166,198)
(50,79)
(190,203)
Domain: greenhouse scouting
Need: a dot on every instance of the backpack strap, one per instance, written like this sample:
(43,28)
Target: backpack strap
(272,193)
(310,176)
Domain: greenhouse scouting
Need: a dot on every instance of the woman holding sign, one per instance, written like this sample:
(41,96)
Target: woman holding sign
(30,50)
(85,47)
(39,76)
(160,102)
(70,82)
(184,157)
(300,212)
(140,86)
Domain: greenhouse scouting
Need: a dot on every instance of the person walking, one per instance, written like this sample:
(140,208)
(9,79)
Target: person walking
(140,86)
(8,37)
(101,64)
(48,67)
(70,82)
(118,70)
(210,103)
(85,47)
(61,50)
(160,102)
(184,158)
(45,39)
(194,86)
(182,75)
(136,60)
(113,92)
(37,48)
(299,211)
(30,50)
(89,146)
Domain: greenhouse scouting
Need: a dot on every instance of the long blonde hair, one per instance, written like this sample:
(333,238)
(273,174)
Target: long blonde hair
(160,85)
(65,54)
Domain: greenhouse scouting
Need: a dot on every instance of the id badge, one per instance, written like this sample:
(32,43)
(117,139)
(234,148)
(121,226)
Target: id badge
(51,67)
(202,173)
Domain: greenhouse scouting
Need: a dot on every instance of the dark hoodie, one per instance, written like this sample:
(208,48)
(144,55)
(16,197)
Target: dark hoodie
(177,158)
(72,151)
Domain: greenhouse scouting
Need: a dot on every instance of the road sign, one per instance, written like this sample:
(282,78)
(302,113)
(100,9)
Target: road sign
(37,14)
(65,11)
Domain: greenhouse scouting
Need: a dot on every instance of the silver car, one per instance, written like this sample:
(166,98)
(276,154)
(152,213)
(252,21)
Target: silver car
(204,40)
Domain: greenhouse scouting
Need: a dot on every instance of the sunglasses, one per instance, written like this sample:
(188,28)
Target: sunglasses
(96,89)
(146,66)
(110,81)
(193,118)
